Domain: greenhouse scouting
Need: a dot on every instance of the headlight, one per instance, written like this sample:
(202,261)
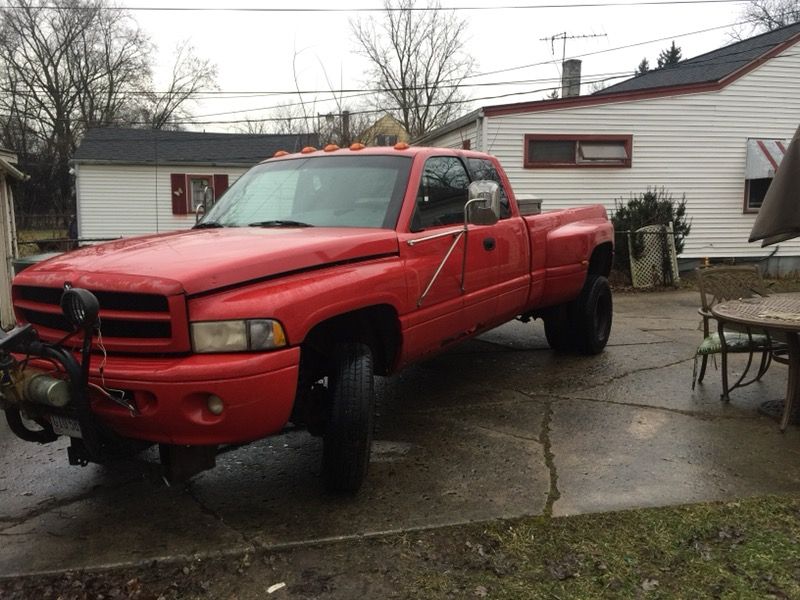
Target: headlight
(237,336)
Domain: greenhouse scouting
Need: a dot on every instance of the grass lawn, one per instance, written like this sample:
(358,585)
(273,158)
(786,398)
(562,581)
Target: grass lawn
(746,549)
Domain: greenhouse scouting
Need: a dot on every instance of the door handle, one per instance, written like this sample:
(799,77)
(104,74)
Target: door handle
(489,243)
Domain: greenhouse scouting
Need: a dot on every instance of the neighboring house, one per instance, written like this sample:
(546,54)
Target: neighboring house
(8,236)
(713,127)
(386,131)
(138,181)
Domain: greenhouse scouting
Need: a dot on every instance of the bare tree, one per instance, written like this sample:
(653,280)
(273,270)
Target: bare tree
(418,62)
(767,15)
(190,75)
(253,125)
(65,65)
(68,65)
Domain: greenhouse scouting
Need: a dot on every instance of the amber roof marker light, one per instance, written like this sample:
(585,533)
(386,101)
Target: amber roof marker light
(280,153)
(401,146)
(357,146)
(308,150)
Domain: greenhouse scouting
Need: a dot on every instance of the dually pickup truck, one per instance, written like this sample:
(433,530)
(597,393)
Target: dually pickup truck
(313,273)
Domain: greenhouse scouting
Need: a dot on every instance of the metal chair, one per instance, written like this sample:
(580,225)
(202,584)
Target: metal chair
(719,284)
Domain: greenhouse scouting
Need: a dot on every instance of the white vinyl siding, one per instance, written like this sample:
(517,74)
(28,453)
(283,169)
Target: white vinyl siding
(121,201)
(692,144)
(455,139)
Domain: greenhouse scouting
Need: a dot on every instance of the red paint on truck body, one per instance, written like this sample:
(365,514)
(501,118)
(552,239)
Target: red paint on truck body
(155,286)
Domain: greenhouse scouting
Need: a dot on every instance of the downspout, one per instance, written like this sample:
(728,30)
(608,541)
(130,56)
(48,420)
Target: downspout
(483,123)
(78,212)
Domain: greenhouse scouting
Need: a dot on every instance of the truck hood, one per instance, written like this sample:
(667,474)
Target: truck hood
(200,260)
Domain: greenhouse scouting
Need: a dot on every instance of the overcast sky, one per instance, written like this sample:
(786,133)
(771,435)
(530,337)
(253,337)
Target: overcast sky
(255,51)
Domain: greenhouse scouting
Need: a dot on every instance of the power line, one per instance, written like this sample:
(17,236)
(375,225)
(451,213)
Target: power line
(256,9)
(359,92)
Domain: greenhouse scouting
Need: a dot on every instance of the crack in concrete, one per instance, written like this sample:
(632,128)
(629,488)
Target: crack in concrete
(510,349)
(702,415)
(253,543)
(509,434)
(549,460)
(633,372)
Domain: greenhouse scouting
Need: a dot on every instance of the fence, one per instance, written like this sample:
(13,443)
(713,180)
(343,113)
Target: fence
(648,255)
(43,222)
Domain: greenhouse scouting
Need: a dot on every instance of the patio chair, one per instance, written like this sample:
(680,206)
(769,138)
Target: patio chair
(718,284)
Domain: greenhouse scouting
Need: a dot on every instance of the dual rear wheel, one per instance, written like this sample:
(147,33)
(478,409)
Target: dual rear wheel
(584,324)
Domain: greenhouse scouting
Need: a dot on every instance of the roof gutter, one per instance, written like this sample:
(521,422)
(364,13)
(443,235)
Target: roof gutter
(164,163)
(12,170)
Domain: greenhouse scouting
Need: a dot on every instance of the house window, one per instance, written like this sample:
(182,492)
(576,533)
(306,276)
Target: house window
(570,151)
(754,192)
(188,191)
(764,156)
(197,189)
(386,140)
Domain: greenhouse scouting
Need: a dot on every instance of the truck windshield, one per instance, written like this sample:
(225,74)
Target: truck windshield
(319,191)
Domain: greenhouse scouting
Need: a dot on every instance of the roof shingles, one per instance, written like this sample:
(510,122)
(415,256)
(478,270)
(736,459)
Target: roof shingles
(710,67)
(151,146)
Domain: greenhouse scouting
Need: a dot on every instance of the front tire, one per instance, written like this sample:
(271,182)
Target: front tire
(348,430)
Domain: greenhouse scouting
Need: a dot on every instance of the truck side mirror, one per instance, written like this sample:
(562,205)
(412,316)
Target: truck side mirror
(483,203)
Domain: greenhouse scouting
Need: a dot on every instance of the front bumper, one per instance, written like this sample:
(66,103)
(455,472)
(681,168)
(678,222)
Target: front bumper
(171,395)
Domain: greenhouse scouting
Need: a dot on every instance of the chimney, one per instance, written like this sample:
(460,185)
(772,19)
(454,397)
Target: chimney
(571,78)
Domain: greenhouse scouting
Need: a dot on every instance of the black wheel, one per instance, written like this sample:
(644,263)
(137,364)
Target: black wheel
(558,328)
(593,315)
(348,428)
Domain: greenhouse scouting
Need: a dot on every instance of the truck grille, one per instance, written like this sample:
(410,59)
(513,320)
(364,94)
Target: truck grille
(131,322)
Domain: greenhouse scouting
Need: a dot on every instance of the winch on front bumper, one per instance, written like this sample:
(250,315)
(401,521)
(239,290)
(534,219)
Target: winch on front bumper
(44,391)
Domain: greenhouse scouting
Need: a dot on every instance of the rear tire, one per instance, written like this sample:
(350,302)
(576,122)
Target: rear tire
(593,314)
(348,430)
(558,328)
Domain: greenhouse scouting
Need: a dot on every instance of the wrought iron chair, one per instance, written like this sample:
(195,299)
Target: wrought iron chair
(719,284)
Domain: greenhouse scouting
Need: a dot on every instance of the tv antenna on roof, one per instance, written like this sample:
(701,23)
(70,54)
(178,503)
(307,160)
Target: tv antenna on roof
(564,36)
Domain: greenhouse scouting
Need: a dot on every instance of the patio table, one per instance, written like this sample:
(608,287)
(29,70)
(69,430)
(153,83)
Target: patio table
(779,316)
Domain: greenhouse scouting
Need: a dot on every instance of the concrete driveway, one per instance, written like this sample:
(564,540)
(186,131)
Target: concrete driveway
(499,427)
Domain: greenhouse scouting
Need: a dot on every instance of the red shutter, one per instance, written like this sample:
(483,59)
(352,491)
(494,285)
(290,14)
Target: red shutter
(180,201)
(220,185)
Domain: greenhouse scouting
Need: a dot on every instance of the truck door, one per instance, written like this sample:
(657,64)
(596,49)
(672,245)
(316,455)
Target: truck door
(510,284)
(434,255)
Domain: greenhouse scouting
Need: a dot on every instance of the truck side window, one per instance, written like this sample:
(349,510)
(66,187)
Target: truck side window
(442,193)
(481,169)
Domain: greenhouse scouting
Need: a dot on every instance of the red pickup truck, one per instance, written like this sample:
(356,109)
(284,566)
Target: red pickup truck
(313,273)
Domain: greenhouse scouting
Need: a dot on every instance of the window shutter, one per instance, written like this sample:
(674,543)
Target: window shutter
(180,194)
(220,185)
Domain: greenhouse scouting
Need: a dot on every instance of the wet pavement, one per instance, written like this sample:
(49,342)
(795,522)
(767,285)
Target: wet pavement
(499,427)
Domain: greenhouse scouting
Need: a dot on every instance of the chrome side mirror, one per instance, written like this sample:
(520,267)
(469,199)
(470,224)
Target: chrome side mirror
(483,204)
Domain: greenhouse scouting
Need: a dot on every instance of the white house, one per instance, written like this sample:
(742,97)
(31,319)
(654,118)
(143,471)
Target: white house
(8,236)
(713,127)
(138,181)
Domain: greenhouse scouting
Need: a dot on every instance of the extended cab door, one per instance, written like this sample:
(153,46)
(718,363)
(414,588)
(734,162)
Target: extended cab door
(509,287)
(434,259)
